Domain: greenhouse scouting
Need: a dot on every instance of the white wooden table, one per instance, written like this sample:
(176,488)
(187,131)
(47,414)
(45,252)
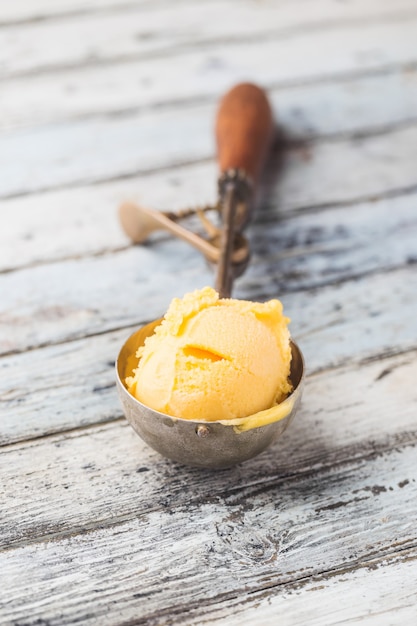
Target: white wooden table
(103,101)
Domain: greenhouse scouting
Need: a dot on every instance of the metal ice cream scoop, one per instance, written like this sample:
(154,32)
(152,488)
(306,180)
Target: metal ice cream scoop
(244,130)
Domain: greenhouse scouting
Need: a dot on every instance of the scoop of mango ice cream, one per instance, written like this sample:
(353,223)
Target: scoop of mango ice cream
(215,359)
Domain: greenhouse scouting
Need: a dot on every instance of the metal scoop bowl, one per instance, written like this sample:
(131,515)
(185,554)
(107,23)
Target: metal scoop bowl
(213,444)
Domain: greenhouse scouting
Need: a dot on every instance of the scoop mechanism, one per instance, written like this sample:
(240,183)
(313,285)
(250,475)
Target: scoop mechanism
(244,133)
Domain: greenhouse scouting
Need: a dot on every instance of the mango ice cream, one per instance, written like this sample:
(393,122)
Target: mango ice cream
(215,359)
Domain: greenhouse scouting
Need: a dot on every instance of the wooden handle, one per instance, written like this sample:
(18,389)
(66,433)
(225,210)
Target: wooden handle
(244,129)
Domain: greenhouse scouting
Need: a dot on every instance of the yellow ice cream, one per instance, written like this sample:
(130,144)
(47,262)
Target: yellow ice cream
(215,359)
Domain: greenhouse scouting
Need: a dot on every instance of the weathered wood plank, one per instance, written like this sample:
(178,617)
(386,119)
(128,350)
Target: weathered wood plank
(309,250)
(20,11)
(325,246)
(261,536)
(30,10)
(93,150)
(73,222)
(56,386)
(31,314)
(136,285)
(53,404)
(101,475)
(80,152)
(84,221)
(136,33)
(350,315)
(55,396)
(322,108)
(373,165)
(97,528)
(381,592)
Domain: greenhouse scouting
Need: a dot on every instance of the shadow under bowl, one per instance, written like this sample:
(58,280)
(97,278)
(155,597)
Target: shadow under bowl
(200,443)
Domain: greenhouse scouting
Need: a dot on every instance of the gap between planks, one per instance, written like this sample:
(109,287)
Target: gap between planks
(88,91)
(63,109)
(130,47)
(387,242)
(42,414)
(261,297)
(240,609)
(110,459)
(133,107)
(338,311)
(74,178)
(190,544)
(261,485)
(83,9)
(35,220)
(267,218)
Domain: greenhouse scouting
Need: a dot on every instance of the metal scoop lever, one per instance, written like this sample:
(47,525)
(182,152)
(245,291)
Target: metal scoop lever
(139,222)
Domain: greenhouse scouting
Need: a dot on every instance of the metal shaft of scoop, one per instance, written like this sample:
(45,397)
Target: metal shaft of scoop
(225,275)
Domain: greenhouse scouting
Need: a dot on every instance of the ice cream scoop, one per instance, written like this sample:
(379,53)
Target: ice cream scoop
(218,380)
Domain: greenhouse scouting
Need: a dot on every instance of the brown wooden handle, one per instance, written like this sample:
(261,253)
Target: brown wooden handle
(244,129)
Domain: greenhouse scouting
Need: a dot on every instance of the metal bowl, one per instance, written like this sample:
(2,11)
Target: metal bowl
(200,443)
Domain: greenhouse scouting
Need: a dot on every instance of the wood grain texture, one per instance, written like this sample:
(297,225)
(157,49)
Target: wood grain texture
(381,592)
(56,386)
(103,102)
(259,536)
(321,106)
(97,150)
(102,302)
(32,10)
(28,11)
(57,383)
(105,474)
(342,242)
(317,248)
(83,221)
(137,33)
